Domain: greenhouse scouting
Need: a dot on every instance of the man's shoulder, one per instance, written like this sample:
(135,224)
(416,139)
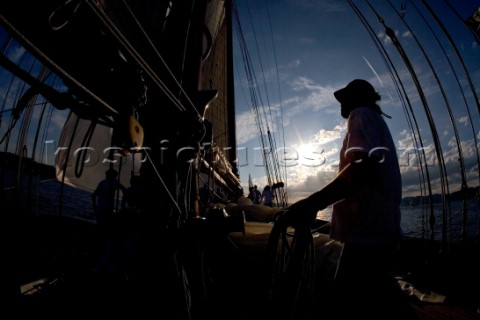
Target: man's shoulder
(364,112)
(365,117)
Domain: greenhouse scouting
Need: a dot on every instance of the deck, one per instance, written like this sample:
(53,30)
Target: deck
(55,258)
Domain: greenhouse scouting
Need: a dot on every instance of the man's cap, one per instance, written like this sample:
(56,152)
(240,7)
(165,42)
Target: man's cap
(358,89)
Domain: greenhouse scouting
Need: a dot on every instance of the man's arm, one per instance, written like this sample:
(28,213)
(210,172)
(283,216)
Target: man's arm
(359,171)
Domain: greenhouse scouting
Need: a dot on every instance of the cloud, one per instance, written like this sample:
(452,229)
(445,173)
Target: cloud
(464,120)
(317,162)
(295,63)
(310,97)
(327,136)
(307,40)
(315,95)
(407,34)
(16,53)
(246,128)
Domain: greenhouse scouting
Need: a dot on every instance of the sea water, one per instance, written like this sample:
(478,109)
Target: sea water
(49,197)
(415,221)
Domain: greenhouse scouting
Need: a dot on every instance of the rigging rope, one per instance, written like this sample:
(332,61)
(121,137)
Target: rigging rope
(410,114)
(474,34)
(137,56)
(438,148)
(457,52)
(262,112)
(66,77)
(458,140)
(285,179)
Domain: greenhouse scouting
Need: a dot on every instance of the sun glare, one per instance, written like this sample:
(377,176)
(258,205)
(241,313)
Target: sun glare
(310,154)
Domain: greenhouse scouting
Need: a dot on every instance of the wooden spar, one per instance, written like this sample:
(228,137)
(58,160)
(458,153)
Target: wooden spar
(44,57)
(211,171)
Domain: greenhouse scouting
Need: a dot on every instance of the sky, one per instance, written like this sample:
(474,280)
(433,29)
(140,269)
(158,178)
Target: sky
(291,55)
(299,52)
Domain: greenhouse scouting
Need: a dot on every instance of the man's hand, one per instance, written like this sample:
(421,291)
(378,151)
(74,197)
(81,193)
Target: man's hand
(300,214)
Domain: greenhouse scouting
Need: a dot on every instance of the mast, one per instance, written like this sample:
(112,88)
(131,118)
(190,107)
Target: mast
(232,139)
